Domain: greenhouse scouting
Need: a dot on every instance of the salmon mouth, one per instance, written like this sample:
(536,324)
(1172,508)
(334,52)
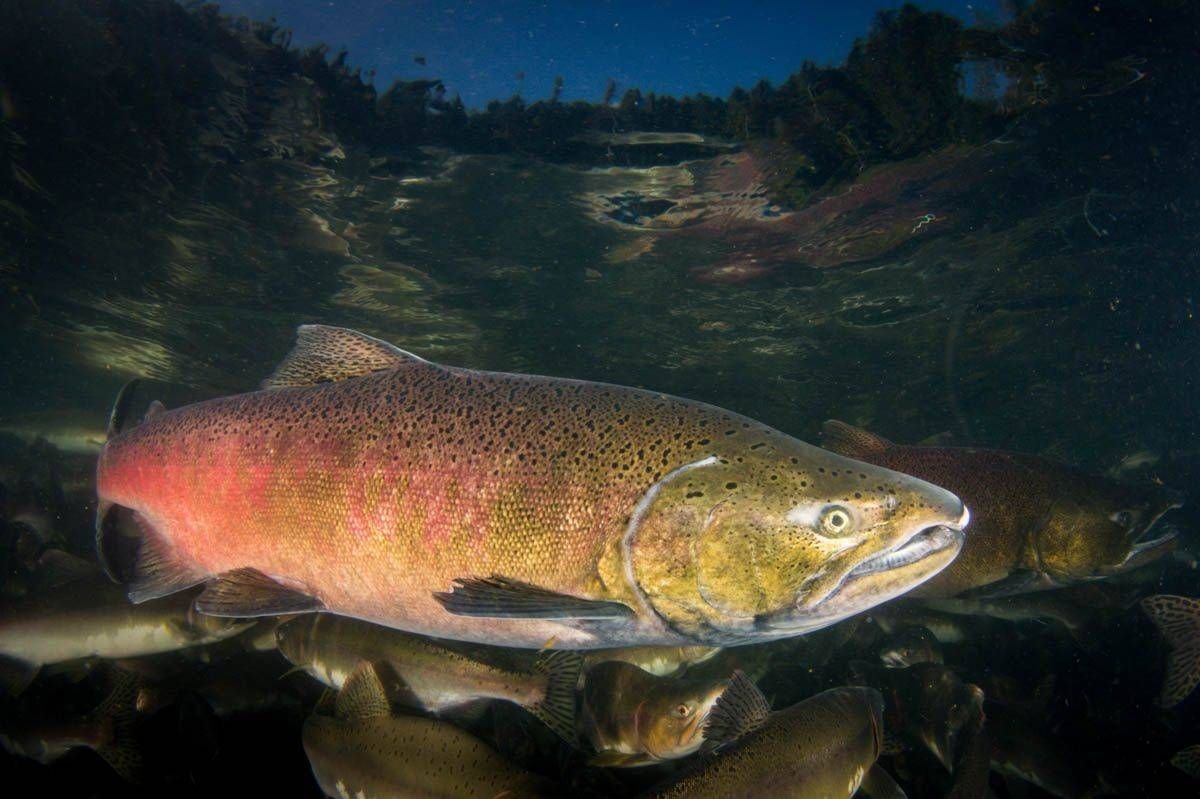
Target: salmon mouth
(927,542)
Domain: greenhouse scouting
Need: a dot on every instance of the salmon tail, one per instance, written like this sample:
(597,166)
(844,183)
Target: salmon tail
(851,441)
(1178,619)
(121,750)
(557,708)
(739,711)
(138,556)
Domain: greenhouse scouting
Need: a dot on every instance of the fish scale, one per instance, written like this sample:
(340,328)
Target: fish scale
(388,479)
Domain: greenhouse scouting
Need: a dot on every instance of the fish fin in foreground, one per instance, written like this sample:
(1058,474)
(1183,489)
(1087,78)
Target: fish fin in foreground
(739,711)
(121,750)
(878,784)
(851,441)
(248,593)
(500,597)
(362,696)
(1187,760)
(326,354)
(557,709)
(1178,619)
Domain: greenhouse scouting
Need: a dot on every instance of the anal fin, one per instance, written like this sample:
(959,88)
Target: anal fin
(248,593)
(500,597)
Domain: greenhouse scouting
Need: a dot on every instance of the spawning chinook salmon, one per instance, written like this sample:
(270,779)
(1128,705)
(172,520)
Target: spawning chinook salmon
(506,509)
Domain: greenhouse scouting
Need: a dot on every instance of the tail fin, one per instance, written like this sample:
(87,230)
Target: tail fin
(121,751)
(557,709)
(1178,619)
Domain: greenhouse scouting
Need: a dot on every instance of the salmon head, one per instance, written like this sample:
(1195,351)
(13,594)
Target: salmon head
(774,537)
(670,719)
(1103,528)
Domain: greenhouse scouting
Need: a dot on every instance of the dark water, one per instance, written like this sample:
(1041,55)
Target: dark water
(1031,288)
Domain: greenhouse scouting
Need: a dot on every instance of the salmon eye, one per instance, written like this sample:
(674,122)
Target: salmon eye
(835,520)
(683,711)
(1122,518)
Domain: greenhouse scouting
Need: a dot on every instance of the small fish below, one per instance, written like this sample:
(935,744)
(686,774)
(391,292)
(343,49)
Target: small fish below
(822,748)
(909,646)
(108,731)
(634,718)
(660,661)
(364,749)
(432,675)
(930,705)
(73,612)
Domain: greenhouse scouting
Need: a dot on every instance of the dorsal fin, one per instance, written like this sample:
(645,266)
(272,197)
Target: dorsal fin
(326,354)
(154,409)
(740,710)
(362,695)
(851,441)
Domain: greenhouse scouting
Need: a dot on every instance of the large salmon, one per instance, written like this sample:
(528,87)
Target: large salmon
(507,509)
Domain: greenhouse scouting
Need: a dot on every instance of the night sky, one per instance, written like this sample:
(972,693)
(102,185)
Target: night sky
(670,47)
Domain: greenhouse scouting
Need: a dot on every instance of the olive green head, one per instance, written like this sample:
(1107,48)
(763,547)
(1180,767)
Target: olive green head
(1103,528)
(671,717)
(773,537)
(295,639)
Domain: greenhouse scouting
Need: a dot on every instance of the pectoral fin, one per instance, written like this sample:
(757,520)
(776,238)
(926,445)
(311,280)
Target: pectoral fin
(248,593)
(500,597)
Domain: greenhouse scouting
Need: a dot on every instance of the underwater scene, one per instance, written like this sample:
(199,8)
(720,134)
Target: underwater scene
(600,400)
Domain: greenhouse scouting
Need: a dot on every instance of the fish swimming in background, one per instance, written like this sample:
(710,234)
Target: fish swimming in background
(74,612)
(633,718)
(1036,524)
(821,748)
(928,705)
(909,646)
(68,431)
(365,749)
(434,676)
(1178,619)
(504,508)
(107,730)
